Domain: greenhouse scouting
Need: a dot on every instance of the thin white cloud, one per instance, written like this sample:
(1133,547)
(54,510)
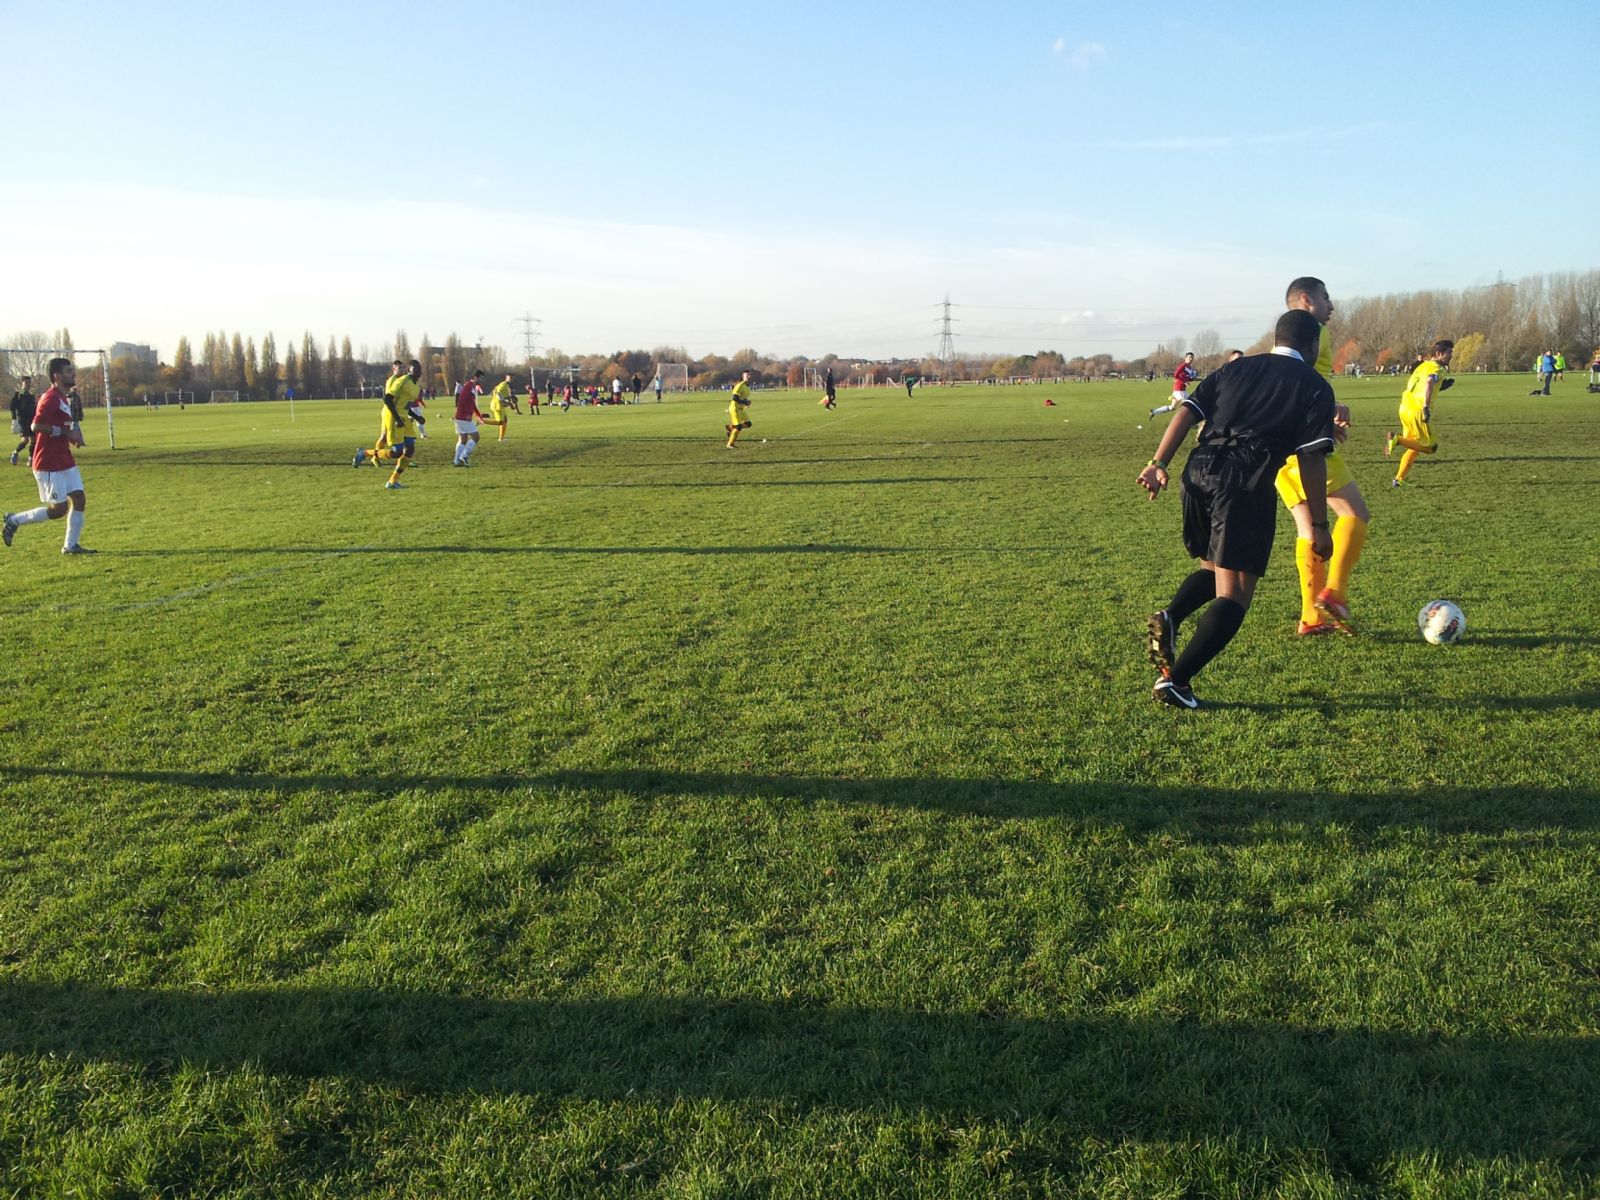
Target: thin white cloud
(1088,54)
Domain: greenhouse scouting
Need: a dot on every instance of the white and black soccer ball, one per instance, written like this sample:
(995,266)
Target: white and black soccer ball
(1441,623)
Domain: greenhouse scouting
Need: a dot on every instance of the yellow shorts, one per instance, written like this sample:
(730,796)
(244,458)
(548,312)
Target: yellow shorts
(1289,489)
(1414,424)
(395,432)
(738,413)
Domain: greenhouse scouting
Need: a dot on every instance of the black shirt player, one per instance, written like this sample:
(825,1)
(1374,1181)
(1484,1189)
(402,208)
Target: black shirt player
(1257,411)
(23,405)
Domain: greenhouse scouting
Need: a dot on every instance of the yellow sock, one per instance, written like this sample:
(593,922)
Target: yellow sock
(1312,570)
(1349,536)
(1406,459)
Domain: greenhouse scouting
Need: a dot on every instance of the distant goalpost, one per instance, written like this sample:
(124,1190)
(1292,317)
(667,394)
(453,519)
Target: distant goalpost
(35,362)
(674,376)
(220,396)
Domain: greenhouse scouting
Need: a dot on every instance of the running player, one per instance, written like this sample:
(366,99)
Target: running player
(468,418)
(398,441)
(56,472)
(1256,413)
(738,409)
(1324,583)
(500,406)
(1182,377)
(1416,409)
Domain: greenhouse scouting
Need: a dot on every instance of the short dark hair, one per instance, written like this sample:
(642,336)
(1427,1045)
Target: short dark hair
(397,363)
(1306,285)
(58,365)
(477,374)
(1442,345)
(1298,330)
(416,364)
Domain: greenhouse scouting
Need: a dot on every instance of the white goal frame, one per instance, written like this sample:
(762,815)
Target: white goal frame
(674,376)
(182,398)
(43,357)
(224,395)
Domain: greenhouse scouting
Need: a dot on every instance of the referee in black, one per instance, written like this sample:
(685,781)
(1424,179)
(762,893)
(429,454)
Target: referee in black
(1257,411)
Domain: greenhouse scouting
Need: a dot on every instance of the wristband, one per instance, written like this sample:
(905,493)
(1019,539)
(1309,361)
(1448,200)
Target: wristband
(1156,462)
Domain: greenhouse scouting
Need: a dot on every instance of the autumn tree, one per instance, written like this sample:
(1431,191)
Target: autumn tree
(268,374)
(1468,352)
(252,372)
(311,366)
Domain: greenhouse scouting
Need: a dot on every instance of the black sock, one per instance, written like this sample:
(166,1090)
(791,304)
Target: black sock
(1212,633)
(1193,594)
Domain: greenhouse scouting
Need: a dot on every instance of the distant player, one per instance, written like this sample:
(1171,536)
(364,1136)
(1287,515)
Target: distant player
(1182,377)
(1324,582)
(1257,412)
(1416,409)
(1561,367)
(468,418)
(56,472)
(738,409)
(533,397)
(500,407)
(397,443)
(616,390)
(637,385)
(829,399)
(23,405)
(658,387)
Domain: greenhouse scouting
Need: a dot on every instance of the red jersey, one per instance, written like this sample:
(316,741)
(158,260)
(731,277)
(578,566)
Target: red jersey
(1184,376)
(467,400)
(51,450)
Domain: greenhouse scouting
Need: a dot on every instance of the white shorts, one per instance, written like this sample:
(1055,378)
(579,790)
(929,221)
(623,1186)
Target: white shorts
(56,486)
(466,427)
(1179,397)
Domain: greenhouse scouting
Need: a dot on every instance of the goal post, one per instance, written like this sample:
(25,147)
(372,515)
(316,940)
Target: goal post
(35,362)
(224,396)
(674,376)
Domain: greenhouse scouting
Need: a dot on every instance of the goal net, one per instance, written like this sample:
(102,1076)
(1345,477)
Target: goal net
(179,398)
(224,397)
(674,376)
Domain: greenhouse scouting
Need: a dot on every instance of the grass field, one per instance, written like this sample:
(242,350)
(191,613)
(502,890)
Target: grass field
(623,816)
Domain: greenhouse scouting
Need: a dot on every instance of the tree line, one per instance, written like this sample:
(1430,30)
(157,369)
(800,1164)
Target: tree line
(1499,327)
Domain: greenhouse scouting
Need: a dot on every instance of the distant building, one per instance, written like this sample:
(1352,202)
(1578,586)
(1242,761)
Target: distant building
(144,355)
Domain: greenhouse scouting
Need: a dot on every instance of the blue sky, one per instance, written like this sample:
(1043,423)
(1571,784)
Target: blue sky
(801,179)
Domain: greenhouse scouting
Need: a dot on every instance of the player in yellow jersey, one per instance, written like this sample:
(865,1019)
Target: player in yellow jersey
(1324,583)
(738,409)
(1416,408)
(500,406)
(398,441)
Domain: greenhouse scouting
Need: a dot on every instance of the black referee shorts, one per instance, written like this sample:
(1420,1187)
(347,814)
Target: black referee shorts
(1230,508)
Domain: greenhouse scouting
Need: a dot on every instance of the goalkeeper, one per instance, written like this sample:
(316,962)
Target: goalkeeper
(739,409)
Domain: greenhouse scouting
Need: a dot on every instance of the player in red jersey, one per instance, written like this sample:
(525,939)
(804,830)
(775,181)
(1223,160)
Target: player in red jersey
(1181,379)
(468,418)
(55,433)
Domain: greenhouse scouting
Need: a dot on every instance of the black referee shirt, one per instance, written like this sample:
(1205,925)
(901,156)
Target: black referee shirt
(1271,400)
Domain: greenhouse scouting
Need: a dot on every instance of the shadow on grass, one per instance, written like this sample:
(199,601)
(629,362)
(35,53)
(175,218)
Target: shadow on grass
(790,548)
(1205,814)
(698,484)
(1361,1097)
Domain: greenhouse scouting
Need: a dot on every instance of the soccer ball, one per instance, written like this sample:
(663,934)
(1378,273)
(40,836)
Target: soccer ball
(1441,623)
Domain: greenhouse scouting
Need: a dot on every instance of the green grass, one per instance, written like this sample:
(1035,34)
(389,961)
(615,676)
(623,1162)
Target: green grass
(623,816)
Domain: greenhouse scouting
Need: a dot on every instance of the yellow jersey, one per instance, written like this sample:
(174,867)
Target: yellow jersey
(1415,397)
(403,390)
(741,392)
